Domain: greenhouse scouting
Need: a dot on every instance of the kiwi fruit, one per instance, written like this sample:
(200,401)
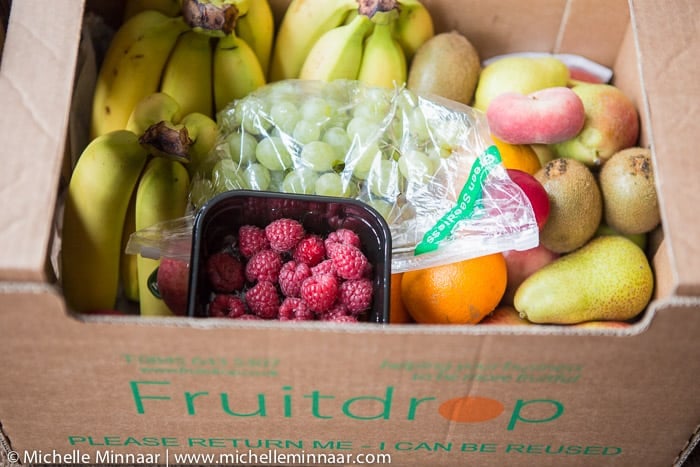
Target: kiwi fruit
(446,65)
(576,206)
(630,202)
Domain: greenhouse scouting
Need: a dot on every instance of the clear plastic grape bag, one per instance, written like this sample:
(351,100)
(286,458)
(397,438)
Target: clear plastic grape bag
(427,165)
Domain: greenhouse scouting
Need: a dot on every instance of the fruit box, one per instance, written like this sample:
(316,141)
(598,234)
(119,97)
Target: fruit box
(95,388)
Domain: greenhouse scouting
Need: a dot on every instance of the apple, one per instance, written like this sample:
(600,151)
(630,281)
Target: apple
(173,284)
(547,116)
(612,124)
(518,74)
(520,264)
(535,193)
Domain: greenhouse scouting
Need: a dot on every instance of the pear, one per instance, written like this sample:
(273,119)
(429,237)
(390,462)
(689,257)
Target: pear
(518,74)
(609,278)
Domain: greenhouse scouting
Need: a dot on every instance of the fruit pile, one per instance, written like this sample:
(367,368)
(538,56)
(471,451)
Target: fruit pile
(280,271)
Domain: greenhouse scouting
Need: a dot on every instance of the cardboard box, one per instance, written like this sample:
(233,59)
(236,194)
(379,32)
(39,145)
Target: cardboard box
(77,389)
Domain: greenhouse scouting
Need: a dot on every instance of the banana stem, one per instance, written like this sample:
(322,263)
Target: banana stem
(370,7)
(164,140)
(210,17)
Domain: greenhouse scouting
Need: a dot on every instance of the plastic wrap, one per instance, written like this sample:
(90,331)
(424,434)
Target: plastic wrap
(427,165)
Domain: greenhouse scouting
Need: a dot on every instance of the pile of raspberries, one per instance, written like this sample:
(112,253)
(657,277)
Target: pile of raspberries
(283,272)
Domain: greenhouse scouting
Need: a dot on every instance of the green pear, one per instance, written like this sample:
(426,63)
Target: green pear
(518,74)
(609,278)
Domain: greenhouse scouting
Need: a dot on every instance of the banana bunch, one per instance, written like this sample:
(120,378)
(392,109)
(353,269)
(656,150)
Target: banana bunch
(372,41)
(203,53)
(126,180)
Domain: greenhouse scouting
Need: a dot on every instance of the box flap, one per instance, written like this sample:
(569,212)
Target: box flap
(36,80)
(669,68)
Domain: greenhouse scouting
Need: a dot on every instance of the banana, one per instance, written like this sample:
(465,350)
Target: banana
(96,203)
(237,71)
(203,131)
(383,61)
(127,263)
(413,27)
(338,53)
(154,108)
(303,23)
(257,28)
(188,72)
(161,195)
(167,7)
(132,68)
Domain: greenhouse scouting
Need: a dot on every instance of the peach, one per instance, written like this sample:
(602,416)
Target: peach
(522,264)
(612,124)
(173,284)
(547,116)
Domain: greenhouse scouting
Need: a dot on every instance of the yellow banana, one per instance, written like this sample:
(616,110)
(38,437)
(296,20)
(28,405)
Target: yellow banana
(167,7)
(96,203)
(132,68)
(338,53)
(154,108)
(203,131)
(127,263)
(161,195)
(304,22)
(257,28)
(237,71)
(383,61)
(413,27)
(188,73)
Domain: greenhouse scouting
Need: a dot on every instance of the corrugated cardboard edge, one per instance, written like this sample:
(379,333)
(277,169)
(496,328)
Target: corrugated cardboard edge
(36,81)
(689,449)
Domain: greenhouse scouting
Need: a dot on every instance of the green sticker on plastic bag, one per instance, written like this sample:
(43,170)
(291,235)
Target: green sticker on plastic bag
(464,208)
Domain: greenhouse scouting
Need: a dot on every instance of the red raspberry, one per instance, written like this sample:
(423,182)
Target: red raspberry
(349,262)
(265,265)
(344,319)
(320,292)
(225,272)
(251,239)
(339,309)
(324,267)
(310,250)
(226,306)
(263,300)
(346,236)
(356,295)
(284,234)
(295,309)
(291,276)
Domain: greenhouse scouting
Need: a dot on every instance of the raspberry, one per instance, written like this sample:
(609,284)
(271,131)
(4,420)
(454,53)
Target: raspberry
(344,319)
(310,250)
(339,309)
(291,276)
(356,295)
(284,234)
(324,267)
(265,265)
(345,236)
(226,306)
(349,262)
(263,300)
(225,272)
(251,239)
(295,309)
(320,292)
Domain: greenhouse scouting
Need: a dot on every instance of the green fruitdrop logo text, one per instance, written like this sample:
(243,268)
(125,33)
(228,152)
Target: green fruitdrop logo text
(321,405)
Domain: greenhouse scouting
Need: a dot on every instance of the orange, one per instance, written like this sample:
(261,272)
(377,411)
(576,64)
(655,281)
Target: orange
(397,311)
(518,156)
(463,292)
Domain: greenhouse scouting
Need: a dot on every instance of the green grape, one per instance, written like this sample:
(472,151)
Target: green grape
(338,138)
(201,191)
(300,181)
(383,207)
(306,131)
(416,166)
(363,129)
(282,91)
(319,156)
(251,111)
(374,106)
(331,184)
(272,153)
(226,175)
(361,159)
(242,146)
(285,114)
(383,179)
(257,176)
(317,110)
(417,125)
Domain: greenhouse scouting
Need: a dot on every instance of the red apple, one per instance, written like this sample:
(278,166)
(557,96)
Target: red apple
(535,193)
(173,284)
(521,264)
(548,116)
